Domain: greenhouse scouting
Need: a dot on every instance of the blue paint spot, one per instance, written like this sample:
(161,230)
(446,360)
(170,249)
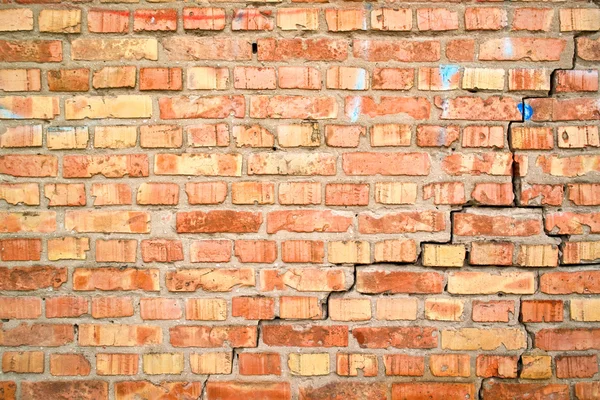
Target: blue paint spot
(8,114)
(355,112)
(442,134)
(508,48)
(361,80)
(526,112)
(447,72)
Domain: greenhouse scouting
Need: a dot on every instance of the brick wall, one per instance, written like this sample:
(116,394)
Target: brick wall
(299,200)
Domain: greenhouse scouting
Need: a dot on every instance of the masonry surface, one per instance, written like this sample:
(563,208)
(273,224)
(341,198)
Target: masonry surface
(299,200)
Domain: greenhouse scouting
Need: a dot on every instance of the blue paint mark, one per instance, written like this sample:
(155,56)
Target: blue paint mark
(356,105)
(5,113)
(361,80)
(508,48)
(447,72)
(442,134)
(526,112)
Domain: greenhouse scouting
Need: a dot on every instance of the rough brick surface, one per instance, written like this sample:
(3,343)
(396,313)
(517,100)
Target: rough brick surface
(299,199)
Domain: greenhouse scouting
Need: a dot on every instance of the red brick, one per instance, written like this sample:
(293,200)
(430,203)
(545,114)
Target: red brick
(253,308)
(69,365)
(201,107)
(39,51)
(161,79)
(249,390)
(485,18)
(20,249)
(497,366)
(402,222)
(349,390)
(188,48)
(84,390)
(445,192)
(582,282)
(211,19)
(69,80)
(470,224)
(397,50)
(129,390)
(532,19)
(321,49)
(404,365)
(386,163)
(380,281)
(66,307)
(162,250)
(307,221)
(522,48)
(112,307)
(256,251)
(218,221)
(259,363)
(346,194)
(460,50)
(213,336)
(492,108)
(498,390)
(44,335)
(299,78)
(211,280)
(160,309)
(567,339)
(493,194)
(210,251)
(115,279)
(584,366)
(155,20)
(108,21)
(32,278)
(110,166)
(305,335)
(398,337)
(432,390)
(570,223)
(541,310)
(20,308)
(251,19)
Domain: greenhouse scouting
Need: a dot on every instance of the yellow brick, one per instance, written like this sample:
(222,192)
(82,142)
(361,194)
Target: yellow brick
(475,282)
(60,21)
(117,364)
(309,364)
(390,135)
(16,19)
(579,19)
(67,137)
(68,248)
(206,309)
(393,309)
(444,309)
(299,135)
(100,107)
(349,309)
(443,255)
(15,193)
(89,49)
(20,80)
(484,339)
(483,79)
(23,362)
(163,363)
(536,367)
(115,137)
(207,78)
(30,107)
(538,255)
(396,192)
(211,363)
(290,19)
(401,250)
(353,252)
(300,307)
(587,310)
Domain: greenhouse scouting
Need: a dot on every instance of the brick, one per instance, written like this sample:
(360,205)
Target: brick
(519,225)
(584,366)
(208,19)
(403,365)
(483,339)
(395,192)
(321,49)
(158,194)
(541,310)
(129,390)
(372,281)
(33,107)
(483,79)
(211,280)
(65,307)
(210,251)
(218,221)
(493,108)
(579,19)
(114,49)
(578,136)
(21,136)
(295,193)
(60,21)
(349,309)
(402,222)
(67,137)
(251,19)
(40,222)
(119,335)
(390,19)
(307,221)
(32,278)
(201,107)
(161,250)
(115,279)
(500,390)
(298,107)
(436,136)
(348,78)
(393,78)
(24,362)
(44,335)
(413,107)
(388,164)
(259,364)
(300,307)
(460,50)
(108,221)
(211,78)
(345,20)
(65,194)
(213,336)
(199,164)
(20,80)
(567,339)
(539,194)
(302,251)
(582,282)
(433,390)
(69,365)
(291,19)
(532,19)
(497,366)
(442,309)
(117,364)
(211,363)
(107,194)
(586,390)
(397,50)
(114,77)
(575,109)
(84,389)
(207,135)
(351,364)
(525,48)
(493,310)
(160,309)
(346,194)
(206,192)
(536,367)
(485,18)
(163,363)
(576,81)
(20,308)
(253,136)
(572,223)
(186,48)
(455,365)
(299,135)
(31,50)
(436,19)
(305,335)
(115,137)
(250,390)
(537,256)
(108,21)
(383,135)
(398,337)
(20,249)
(16,19)
(393,309)
(256,251)
(445,192)
(116,250)
(351,390)
(580,252)
(402,250)
(99,107)
(490,283)
(254,308)
(155,20)
(161,79)
(440,255)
